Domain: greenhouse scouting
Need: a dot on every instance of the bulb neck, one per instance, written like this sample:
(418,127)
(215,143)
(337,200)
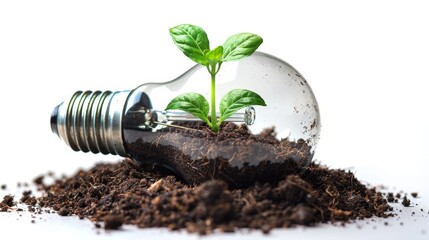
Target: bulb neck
(92,121)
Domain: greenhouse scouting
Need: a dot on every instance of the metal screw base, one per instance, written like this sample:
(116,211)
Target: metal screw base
(92,121)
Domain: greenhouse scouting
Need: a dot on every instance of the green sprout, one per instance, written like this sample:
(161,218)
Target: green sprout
(194,43)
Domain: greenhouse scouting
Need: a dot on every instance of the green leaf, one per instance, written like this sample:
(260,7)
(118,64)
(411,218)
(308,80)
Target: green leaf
(237,99)
(193,103)
(192,41)
(240,45)
(215,55)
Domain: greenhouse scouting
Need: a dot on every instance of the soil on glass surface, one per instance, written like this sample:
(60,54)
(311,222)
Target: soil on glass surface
(233,155)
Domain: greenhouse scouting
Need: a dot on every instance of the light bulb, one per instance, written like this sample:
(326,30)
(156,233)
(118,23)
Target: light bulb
(132,123)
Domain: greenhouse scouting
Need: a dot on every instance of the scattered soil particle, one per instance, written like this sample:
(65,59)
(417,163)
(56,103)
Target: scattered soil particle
(63,211)
(414,194)
(406,202)
(28,199)
(3,187)
(7,203)
(113,222)
(390,197)
(39,180)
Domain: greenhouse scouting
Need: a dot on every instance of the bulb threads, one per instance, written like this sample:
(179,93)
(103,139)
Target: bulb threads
(92,121)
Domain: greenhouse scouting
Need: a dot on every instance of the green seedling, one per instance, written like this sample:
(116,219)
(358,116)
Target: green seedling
(194,43)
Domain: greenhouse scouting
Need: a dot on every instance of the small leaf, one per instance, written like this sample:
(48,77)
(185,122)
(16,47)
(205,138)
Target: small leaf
(240,45)
(237,99)
(193,103)
(215,54)
(192,41)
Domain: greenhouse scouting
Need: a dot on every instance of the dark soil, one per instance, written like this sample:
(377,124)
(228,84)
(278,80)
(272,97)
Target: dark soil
(28,199)
(406,202)
(7,203)
(234,155)
(113,222)
(127,193)
(298,192)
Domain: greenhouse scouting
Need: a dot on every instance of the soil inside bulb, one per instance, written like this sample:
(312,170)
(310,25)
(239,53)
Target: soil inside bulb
(233,155)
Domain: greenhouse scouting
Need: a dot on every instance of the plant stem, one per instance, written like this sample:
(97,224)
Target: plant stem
(215,127)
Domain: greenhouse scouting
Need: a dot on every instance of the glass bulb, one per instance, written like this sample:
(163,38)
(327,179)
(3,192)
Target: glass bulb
(133,124)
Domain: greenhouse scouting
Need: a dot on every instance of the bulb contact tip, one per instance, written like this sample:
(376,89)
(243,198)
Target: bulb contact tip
(54,119)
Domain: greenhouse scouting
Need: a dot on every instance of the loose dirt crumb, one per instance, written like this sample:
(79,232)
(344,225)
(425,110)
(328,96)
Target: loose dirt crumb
(39,180)
(113,222)
(406,202)
(7,203)
(28,199)
(64,211)
(390,197)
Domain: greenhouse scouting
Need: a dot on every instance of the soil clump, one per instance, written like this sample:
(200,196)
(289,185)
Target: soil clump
(225,193)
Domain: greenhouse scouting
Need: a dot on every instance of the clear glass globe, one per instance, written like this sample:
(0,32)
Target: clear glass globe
(291,109)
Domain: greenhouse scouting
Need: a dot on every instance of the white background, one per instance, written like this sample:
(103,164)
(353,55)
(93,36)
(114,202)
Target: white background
(367,62)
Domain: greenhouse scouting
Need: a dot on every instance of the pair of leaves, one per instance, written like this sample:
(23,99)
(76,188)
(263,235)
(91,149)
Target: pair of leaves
(194,43)
(230,103)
